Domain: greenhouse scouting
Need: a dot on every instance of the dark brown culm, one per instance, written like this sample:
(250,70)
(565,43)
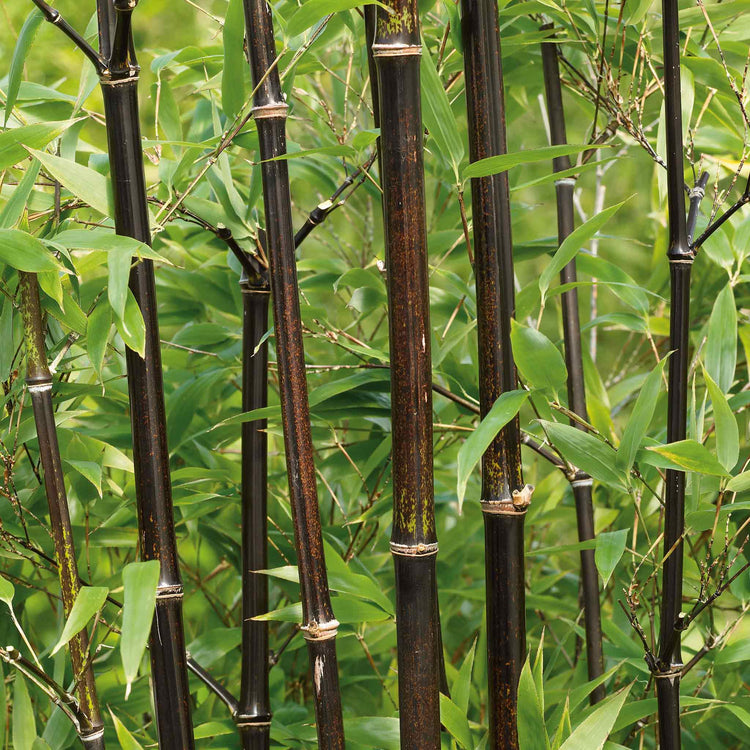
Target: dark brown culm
(396,50)
(319,626)
(580,483)
(39,382)
(666,670)
(118,74)
(505,498)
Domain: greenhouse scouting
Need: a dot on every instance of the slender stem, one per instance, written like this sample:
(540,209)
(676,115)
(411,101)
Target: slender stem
(504,498)
(582,485)
(39,380)
(396,50)
(320,626)
(680,255)
(696,196)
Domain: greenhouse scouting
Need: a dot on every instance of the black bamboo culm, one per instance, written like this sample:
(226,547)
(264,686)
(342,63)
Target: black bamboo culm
(118,76)
(505,498)
(396,49)
(668,664)
(319,626)
(580,483)
(39,382)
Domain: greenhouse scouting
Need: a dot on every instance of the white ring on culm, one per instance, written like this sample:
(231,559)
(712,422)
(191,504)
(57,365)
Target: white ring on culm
(414,550)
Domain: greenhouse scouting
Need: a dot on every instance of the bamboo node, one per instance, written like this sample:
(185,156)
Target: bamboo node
(316,631)
(396,50)
(268,111)
(414,550)
(169,592)
(95,735)
(39,387)
(563,181)
(522,498)
(583,482)
(675,670)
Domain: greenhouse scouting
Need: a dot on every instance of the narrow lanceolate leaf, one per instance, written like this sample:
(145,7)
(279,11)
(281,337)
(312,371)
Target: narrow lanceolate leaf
(22,251)
(16,205)
(97,335)
(126,740)
(454,720)
(504,162)
(538,360)
(461,688)
(721,340)
(637,425)
(503,410)
(7,591)
(139,580)
(592,732)
(23,45)
(314,10)
(725,425)
(740,483)
(690,455)
(609,549)
(91,187)
(131,326)
(437,115)
(532,731)
(89,601)
(118,268)
(24,726)
(571,246)
(233,73)
(586,452)
(14,141)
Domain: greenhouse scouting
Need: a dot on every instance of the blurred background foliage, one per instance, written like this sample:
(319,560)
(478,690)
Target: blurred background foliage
(195,81)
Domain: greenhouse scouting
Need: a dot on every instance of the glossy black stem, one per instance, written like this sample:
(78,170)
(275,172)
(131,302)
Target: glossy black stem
(320,625)
(680,255)
(396,50)
(581,483)
(253,716)
(504,499)
(696,196)
(39,382)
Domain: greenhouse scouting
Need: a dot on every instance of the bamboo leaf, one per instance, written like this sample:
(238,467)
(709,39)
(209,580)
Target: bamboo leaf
(454,720)
(637,425)
(572,245)
(721,340)
(7,591)
(233,72)
(25,252)
(118,267)
(504,162)
(725,423)
(89,601)
(7,351)
(313,11)
(14,142)
(381,732)
(503,410)
(23,45)
(532,732)
(740,483)
(97,335)
(461,688)
(538,360)
(17,202)
(690,455)
(131,326)
(592,732)
(586,452)
(609,549)
(89,186)
(24,726)
(126,740)
(140,580)
(437,115)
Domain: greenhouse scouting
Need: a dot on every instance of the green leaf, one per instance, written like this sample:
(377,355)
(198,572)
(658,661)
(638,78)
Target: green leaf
(609,549)
(131,326)
(691,456)
(725,423)
(140,580)
(586,452)
(592,732)
(233,72)
(24,252)
(23,44)
(97,335)
(118,268)
(89,601)
(455,721)
(24,726)
(571,246)
(503,410)
(91,187)
(7,591)
(381,732)
(637,425)
(7,352)
(504,162)
(721,340)
(461,688)
(740,483)
(532,732)
(437,115)
(16,205)
(538,360)
(126,740)
(14,142)
(314,10)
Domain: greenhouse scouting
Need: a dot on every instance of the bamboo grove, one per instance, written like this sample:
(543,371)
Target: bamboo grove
(371,374)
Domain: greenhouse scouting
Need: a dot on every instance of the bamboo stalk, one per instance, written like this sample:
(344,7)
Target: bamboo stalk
(396,49)
(505,498)
(669,658)
(253,717)
(39,380)
(320,625)
(581,483)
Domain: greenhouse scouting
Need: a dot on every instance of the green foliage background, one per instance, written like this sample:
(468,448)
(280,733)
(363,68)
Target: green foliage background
(194,82)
